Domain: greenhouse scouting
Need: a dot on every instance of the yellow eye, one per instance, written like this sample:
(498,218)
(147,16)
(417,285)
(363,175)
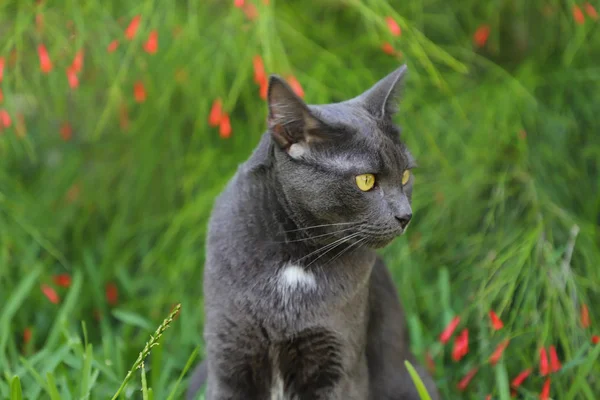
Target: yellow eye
(365,182)
(405,177)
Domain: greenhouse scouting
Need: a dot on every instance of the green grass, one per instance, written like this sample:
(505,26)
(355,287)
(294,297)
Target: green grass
(506,202)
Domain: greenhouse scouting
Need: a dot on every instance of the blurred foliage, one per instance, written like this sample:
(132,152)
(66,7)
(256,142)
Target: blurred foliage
(113,190)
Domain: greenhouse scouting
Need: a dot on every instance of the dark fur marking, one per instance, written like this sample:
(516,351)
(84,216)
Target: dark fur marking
(310,362)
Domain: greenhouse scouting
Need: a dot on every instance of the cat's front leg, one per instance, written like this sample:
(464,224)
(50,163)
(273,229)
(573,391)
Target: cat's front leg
(388,344)
(238,364)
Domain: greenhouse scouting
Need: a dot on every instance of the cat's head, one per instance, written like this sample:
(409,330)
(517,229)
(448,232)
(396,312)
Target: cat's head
(343,165)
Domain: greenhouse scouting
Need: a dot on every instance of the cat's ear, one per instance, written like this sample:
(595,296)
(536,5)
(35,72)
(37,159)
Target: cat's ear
(382,99)
(290,120)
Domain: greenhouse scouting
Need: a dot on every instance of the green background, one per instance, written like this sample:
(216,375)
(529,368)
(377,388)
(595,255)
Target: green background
(506,200)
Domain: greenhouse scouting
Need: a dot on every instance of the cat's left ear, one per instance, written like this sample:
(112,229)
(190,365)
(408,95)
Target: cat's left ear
(290,120)
(382,99)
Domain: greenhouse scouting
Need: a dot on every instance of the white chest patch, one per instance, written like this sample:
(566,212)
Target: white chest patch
(277,392)
(293,277)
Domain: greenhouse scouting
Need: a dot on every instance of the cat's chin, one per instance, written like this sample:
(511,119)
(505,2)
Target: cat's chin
(383,241)
(379,243)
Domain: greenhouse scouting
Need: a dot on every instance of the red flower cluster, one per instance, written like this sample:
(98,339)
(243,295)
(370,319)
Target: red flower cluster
(579,16)
(585,322)
(45,62)
(74,69)
(481,35)
(133,27)
(151,45)
(64,281)
(393,26)
(295,85)
(112,294)
(260,77)
(497,323)
(449,330)
(249,8)
(461,345)
(139,92)
(497,354)
(395,31)
(218,117)
(548,367)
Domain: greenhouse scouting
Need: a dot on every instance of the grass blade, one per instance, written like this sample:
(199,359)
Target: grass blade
(423,394)
(15,389)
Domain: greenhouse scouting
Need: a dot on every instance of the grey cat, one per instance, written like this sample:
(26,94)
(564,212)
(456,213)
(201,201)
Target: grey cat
(298,305)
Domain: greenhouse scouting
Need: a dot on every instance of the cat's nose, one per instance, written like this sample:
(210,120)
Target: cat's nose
(404,220)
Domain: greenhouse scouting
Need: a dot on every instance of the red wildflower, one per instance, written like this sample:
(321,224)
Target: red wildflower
(151,45)
(464,382)
(449,330)
(112,293)
(26,335)
(139,92)
(554,361)
(481,35)
(591,11)
(45,62)
(488,397)
(225,126)
(263,90)
(296,87)
(216,113)
(578,15)
(77,65)
(5,120)
(497,323)
(520,378)
(50,294)
(545,393)
(72,78)
(461,345)
(259,70)
(66,132)
(251,11)
(595,339)
(112,46)
(239,3)
(388,48)
(1,68)
(498,352)
(266,2)
(585,316)
(133,27)
(544,367)
(393,26)
(63,280)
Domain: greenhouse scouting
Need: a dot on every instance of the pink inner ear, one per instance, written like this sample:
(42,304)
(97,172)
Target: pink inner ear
(280,135)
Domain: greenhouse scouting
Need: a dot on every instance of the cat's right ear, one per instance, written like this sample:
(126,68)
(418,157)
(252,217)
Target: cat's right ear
(290,120)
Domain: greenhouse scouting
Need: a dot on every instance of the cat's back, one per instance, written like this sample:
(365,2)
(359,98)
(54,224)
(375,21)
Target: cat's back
(243,198)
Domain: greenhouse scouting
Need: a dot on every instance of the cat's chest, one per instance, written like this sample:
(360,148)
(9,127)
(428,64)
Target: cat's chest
(306,363)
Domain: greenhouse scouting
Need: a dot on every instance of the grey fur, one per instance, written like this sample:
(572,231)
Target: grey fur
(298,305)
